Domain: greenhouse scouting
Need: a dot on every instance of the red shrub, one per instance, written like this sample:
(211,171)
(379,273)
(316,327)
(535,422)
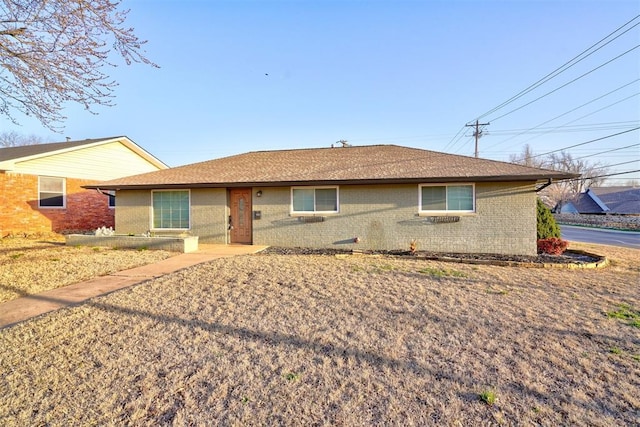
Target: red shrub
(552,246)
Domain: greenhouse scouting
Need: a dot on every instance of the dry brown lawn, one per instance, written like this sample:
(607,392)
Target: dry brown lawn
(31,266)
(317,340)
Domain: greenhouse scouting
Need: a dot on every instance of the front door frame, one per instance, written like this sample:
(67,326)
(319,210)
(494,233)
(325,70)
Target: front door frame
(240,229)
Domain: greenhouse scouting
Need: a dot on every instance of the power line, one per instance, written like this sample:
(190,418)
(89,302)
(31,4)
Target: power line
(607,151)
(454,137)
(566,113)
(574,128)
(582,117)
(620,164)
(457,142)
(603,176)
(584,143)
(563,67)
(461,146)
(568,83)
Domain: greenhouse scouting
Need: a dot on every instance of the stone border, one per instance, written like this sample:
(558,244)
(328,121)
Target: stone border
(606,221)
(601,262)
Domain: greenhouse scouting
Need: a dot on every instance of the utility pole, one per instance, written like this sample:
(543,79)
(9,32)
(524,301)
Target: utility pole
(478,132)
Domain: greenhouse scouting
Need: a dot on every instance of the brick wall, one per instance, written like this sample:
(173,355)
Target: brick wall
(382,217)
(386,217)
(19,212)
(133,210)
(209,214)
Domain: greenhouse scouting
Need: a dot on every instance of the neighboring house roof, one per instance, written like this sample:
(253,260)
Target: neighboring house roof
(613,200)
(9,156)
(565,208)
(583,203)
(344,165)
(620,200)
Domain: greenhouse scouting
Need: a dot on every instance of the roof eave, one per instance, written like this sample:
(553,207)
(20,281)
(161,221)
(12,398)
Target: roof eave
(7,165)
(141,152)
(124,140)
(163,186)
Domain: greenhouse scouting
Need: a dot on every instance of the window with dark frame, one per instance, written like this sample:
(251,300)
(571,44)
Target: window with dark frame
(314,199)
(51,192)
(447,198)
(112,198)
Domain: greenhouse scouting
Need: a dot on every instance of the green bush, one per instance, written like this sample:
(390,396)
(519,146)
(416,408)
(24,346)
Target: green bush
(547,226)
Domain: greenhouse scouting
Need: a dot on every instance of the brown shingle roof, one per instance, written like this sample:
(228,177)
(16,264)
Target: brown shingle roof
(364,164)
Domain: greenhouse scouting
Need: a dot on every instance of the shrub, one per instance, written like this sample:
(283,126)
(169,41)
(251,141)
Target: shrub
(547,225)
(552,246)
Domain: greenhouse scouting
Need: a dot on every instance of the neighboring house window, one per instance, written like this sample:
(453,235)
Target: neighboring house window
(170,209)
(449,198)
(51,191)
(112,198)
(314,199)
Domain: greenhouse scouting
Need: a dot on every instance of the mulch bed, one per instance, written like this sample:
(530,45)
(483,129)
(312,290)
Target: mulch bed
(569,257)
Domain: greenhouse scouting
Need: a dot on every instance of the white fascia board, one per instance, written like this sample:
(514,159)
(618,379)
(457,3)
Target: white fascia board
(596,199)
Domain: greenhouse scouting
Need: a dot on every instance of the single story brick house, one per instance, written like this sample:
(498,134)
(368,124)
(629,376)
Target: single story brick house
(379,197)
(41,186)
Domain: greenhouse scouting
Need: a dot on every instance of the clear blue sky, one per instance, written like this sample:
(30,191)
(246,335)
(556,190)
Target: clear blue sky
(239,76)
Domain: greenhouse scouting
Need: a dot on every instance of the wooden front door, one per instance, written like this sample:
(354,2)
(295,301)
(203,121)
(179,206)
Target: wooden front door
(240,218)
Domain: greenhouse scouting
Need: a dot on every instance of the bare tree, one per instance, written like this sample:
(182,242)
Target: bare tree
(563,191)
(54,51)
(591,174)
(14,139)
(527,158)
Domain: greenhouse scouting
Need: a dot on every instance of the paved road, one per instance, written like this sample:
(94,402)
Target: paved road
(627,239)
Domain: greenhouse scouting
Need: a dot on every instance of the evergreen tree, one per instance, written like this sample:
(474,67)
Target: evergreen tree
(547,226)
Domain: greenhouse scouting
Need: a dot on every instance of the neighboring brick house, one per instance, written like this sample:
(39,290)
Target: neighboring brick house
(41,186)
(370,197)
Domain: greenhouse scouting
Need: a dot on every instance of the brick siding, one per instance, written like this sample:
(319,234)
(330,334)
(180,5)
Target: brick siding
(381,216)
(385,217)
(209,214)
(19,212)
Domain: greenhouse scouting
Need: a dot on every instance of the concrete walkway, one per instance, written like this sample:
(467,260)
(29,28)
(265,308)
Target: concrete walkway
(21,309)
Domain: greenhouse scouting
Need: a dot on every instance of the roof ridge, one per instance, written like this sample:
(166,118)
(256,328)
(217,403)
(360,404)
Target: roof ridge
(322,148)
(389,145)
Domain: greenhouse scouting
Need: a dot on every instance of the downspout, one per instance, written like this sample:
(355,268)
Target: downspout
(543,186)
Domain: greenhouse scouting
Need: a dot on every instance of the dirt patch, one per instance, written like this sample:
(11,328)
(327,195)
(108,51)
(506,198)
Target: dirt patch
(569,257)
(319,340)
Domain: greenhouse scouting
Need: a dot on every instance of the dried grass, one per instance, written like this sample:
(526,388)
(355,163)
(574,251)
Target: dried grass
(316,340)
(29,266)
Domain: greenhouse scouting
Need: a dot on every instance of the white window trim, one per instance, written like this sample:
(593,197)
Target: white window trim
(422,212)
(64,193)
(315,187)
(152,228)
